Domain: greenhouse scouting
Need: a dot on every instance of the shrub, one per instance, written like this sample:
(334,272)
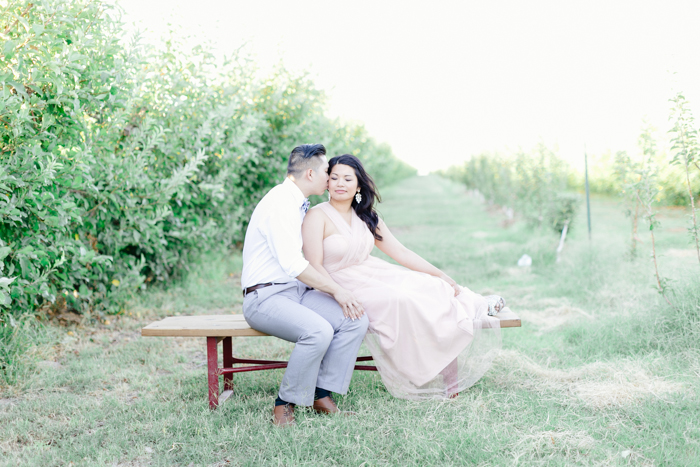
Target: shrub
(119,161)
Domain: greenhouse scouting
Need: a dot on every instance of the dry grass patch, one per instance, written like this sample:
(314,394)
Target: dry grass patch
(553,317)
(544,445)
(548,314)
(597,385)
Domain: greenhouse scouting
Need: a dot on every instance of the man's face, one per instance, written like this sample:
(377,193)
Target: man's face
(320,177)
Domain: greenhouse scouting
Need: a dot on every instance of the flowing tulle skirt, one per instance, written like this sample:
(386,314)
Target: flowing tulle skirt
(426,342)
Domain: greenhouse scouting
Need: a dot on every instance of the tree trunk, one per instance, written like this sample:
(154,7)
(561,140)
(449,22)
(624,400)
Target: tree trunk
(692,210)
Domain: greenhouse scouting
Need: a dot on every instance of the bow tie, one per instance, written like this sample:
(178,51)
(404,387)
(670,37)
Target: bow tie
(305,206)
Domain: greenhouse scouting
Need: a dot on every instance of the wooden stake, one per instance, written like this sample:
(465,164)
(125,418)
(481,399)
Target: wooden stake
(588,194)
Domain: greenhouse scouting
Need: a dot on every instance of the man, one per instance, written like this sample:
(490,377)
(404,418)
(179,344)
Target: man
(280,300)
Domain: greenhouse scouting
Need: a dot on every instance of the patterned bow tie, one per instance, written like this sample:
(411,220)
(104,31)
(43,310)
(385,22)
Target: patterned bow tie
(305,206)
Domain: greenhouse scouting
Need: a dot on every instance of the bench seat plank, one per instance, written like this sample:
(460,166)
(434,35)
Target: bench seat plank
(508,318)
(201,326)
(236,325)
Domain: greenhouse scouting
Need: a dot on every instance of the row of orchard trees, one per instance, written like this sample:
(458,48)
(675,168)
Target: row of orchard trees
(540,187)
(643,180)
(604,169)
(533,184)
(119,161)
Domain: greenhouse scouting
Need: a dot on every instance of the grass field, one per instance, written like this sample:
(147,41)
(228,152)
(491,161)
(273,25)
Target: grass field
(602,372)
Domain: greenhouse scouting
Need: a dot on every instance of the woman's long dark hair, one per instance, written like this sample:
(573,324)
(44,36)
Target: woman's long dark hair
(368,190)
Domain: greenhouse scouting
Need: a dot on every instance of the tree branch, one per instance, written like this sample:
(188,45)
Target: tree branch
(10,27)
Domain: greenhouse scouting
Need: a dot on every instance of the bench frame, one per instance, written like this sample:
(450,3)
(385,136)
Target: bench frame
(222,328)
(214,371)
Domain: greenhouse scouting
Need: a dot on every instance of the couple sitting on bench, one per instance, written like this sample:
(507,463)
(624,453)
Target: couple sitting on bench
(430,337)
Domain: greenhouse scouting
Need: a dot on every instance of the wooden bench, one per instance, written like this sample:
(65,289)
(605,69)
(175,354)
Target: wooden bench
(221,328)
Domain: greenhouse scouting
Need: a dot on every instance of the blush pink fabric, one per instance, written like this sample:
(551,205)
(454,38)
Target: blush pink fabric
(426,342)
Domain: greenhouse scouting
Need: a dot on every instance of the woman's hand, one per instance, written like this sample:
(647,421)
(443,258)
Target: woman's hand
(452,283)
(352,308)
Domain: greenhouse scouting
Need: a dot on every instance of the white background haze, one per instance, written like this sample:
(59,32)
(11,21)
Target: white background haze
(442,80)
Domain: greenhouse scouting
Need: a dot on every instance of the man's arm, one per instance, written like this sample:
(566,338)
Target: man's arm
(282,232)
(351,307)
(313,230)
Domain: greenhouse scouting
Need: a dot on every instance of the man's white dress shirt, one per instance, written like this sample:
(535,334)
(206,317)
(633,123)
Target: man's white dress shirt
(272,246)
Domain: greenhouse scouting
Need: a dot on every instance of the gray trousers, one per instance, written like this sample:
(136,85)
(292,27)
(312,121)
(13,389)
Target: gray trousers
(326,341)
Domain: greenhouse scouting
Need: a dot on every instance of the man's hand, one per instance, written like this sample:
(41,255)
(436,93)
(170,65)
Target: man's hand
(351,307)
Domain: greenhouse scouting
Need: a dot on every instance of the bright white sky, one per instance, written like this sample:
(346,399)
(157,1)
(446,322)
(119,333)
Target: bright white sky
(442,80)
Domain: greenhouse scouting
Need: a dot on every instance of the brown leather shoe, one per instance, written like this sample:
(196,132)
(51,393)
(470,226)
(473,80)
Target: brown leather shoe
(283,416)
(326,405)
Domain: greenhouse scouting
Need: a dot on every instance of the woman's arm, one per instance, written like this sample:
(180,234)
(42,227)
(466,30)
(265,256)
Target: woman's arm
(312,232)
(407,258)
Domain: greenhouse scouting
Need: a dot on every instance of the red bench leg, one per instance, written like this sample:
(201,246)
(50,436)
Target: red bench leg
(228,363)
(212,371)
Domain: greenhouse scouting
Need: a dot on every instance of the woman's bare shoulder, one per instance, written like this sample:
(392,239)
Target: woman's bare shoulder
(316,216)
(315,213)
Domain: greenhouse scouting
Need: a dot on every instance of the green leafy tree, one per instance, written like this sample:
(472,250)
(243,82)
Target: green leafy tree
(687,154)
(120,162)
(647,190)
(630,171)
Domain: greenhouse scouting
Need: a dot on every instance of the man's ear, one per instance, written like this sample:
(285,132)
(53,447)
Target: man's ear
(310,174)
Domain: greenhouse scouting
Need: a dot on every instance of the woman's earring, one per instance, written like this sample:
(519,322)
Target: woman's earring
(329,196)
(358,197)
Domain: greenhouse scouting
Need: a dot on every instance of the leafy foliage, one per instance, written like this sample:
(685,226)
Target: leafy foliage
(687,155)
(533,184)
(673,192)
(633,173)
(645,187)
(119,161)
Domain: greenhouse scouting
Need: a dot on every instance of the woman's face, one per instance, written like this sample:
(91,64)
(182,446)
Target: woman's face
(342,183)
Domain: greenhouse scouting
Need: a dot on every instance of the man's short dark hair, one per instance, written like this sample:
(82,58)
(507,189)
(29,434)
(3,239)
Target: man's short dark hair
(304,157)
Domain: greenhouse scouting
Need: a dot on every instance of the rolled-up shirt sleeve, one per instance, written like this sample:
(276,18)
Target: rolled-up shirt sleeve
(282,231)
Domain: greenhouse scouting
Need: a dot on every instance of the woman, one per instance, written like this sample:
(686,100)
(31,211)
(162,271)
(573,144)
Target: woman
(430,338)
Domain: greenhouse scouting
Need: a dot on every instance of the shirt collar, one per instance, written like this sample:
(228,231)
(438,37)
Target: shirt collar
(294,190)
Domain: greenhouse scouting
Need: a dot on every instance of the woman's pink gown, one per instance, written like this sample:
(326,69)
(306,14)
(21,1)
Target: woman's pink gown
(426,342)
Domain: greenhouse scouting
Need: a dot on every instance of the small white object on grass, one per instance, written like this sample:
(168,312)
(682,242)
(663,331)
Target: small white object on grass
(47,364)
(525,261)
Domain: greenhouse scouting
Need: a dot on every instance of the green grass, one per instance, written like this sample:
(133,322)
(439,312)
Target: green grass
(602,372)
